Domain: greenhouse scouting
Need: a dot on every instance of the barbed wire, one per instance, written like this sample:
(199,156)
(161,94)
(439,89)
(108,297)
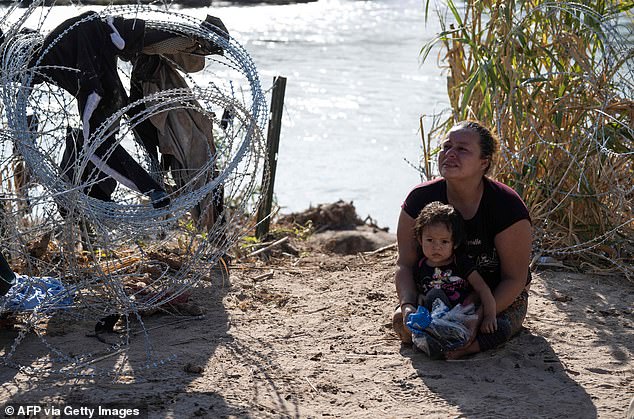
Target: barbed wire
(121,257)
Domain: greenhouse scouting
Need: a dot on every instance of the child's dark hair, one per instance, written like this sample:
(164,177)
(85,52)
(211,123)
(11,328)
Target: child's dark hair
(437,212)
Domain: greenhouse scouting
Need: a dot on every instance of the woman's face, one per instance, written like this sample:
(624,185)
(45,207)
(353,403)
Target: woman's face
(459,156)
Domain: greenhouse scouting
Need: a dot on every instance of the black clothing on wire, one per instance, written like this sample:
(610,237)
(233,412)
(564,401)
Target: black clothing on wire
(80,57)
(100,185)
(7,276)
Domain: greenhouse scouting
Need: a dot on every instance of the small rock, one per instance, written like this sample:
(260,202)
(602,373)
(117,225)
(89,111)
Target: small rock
(193,368)
(562,298)
(200,412)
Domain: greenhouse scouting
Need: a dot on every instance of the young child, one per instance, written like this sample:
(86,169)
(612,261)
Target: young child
(443,273)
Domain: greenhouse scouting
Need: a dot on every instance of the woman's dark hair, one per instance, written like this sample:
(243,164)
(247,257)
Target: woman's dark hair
(488,141)
(438,213)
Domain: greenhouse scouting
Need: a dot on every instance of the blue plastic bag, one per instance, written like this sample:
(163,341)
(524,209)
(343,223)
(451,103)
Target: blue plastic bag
(441,330)
(41,293)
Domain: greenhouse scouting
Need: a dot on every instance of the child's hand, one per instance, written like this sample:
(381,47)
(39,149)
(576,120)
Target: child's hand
(489,324)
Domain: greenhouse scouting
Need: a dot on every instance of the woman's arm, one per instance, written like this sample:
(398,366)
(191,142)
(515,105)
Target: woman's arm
(513,246)
(407,258)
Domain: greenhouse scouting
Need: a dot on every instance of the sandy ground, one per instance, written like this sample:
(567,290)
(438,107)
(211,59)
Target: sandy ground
(310,336)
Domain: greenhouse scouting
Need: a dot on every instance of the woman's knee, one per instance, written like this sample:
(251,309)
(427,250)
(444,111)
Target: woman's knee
(491,340)
(509,324)
(516,313)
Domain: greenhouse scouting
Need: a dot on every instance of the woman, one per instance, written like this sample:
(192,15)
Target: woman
(498,233)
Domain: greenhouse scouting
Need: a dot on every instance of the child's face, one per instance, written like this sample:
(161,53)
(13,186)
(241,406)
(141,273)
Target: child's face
(437,244)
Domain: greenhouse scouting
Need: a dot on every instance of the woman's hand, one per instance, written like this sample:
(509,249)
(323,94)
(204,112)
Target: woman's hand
(407,309)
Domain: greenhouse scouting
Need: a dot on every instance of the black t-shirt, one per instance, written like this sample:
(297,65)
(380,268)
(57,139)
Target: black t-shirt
(80,57)
(500,207)
(451,278)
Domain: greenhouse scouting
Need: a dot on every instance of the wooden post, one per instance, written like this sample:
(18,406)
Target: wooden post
(272,147)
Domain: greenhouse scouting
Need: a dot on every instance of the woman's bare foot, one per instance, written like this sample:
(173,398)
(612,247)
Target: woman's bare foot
(472,348)
(403,332)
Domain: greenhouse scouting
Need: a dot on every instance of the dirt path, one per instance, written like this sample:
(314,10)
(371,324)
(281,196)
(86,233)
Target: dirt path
(311,337)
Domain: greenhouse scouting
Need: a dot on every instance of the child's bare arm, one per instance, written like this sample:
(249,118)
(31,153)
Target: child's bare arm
(489,323)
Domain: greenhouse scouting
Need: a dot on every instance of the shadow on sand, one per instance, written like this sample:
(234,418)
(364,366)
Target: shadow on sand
(191,349)
(533,379)
(605,310)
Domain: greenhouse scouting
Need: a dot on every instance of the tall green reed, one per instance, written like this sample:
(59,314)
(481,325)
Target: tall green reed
(555,80)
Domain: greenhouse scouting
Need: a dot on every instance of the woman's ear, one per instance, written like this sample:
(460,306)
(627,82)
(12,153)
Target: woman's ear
(486,162)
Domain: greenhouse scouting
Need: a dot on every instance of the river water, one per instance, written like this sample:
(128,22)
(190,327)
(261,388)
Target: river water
(355,92)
